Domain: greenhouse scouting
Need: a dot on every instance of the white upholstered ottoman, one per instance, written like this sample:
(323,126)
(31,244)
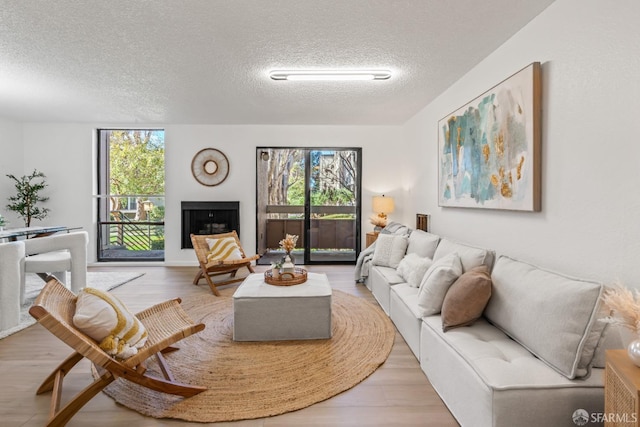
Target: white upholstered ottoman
(263,312)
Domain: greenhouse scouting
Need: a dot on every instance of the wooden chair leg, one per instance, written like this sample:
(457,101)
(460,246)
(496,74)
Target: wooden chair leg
(212,285)
(62,417)
(166,372)
(165,386)
(197,278)
(64,367)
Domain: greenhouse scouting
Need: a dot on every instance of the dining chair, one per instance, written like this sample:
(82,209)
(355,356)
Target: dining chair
(55,255)
(11,259)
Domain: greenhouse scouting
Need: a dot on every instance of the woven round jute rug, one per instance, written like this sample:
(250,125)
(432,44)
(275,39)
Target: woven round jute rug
(260,379)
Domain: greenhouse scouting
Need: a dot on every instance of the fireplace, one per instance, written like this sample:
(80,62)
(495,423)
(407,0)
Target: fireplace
(209,218)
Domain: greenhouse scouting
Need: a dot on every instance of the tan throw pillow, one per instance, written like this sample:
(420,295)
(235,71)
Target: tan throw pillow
(466,298)
(223,249)
(104,318)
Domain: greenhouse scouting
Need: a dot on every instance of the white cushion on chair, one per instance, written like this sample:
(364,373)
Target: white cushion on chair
(48,261)
(57,254)
(107,320)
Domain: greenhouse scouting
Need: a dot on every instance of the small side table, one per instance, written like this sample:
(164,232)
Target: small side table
(621,390)
(371,237)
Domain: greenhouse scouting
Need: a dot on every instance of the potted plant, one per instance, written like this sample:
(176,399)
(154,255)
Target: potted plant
(275,269)
(27,197)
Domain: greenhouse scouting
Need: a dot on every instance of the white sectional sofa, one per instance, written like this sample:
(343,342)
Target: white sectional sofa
(534,357)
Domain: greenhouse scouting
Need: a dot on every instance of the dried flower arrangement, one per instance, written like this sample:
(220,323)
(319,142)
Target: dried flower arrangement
(378,221)
(625,305)
(289,243)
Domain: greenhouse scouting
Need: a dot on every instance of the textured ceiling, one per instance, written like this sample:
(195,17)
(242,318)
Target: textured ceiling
(206,61)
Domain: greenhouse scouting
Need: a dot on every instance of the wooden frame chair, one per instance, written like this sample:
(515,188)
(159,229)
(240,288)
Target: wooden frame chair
(166,324)
(208,268)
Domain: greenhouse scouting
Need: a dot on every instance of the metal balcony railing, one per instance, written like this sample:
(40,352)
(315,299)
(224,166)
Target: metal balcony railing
(131,240)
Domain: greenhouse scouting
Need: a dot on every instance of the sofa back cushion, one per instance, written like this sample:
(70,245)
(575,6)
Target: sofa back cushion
(470,256)
(423,244)
(554,316)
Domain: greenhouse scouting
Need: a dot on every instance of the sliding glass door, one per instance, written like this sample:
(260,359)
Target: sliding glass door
(313,193)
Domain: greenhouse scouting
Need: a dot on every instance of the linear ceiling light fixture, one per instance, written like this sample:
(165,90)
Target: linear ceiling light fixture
(330,75)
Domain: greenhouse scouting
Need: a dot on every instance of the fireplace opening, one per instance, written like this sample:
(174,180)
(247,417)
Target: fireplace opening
(208,218)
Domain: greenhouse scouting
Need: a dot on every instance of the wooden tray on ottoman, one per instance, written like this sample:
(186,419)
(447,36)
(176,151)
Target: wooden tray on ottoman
(286,279)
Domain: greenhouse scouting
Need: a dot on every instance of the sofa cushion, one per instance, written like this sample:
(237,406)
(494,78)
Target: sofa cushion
(389,250)
(501,362)
(422,243)
(390,275)
(552,315)
(436,282)
(487,379)
(466,298)
(611,339)
(409,296)
(470,256)
(413,267)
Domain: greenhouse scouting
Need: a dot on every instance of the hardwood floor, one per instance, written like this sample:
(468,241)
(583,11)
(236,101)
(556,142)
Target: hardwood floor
(397,394)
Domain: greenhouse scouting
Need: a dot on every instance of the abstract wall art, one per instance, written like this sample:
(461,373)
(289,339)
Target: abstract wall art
(489,150)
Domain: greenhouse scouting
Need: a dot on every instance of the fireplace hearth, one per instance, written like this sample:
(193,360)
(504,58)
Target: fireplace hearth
(208,218)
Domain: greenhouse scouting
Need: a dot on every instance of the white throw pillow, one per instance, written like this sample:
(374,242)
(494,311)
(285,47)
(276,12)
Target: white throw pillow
(104,318)
(223,249)
(412,268)
(389,250)
(436,282)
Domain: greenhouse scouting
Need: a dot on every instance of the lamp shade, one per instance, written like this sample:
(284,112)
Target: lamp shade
(382,204)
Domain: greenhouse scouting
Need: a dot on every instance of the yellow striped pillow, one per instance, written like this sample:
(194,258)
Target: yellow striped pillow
(105,319)
(223,249)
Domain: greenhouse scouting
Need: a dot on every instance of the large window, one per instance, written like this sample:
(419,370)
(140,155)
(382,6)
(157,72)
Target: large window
(131,195)
(313,193)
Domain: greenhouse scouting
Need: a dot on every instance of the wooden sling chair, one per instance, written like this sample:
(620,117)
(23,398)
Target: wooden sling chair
(166,324)
(216,267)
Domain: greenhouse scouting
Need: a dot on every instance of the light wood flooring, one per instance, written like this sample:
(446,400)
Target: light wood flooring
(397,394)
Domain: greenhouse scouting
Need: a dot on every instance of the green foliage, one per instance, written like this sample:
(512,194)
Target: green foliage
(25,202)
(136,162)
(157,213)
(157,245)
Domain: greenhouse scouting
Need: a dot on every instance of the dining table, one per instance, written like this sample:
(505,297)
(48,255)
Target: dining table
(13,234)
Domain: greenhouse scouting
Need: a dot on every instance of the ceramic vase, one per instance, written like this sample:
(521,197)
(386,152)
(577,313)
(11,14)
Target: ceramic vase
(633,349)
(291,258)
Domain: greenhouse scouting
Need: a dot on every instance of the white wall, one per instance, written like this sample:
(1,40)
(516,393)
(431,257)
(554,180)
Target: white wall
(239,145)
(589,225)
(66,153)
(11,162)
